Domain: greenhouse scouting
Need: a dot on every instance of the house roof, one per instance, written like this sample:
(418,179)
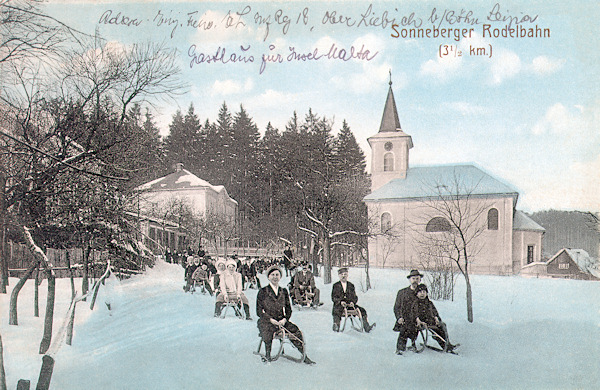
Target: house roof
(182,179)
(426,181)
(390,120)
(522,222)
(583,261)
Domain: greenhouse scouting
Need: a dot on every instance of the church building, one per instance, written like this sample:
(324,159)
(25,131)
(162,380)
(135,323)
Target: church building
(413,211)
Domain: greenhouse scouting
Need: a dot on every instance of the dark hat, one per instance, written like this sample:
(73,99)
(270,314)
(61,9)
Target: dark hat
(273,268)
(420,287)
(343,269)
(414,272)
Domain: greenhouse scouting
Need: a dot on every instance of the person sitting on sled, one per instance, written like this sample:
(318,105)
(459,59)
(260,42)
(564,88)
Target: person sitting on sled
(230,284)
(274,309)
(304,282)
(201,276)
(342,295)
(426,315)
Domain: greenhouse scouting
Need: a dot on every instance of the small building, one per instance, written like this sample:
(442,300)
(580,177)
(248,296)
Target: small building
(572,264)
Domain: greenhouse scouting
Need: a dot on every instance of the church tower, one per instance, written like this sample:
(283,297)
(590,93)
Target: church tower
(389,147)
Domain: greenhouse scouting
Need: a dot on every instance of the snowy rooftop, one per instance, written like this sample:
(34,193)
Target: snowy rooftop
(522,222)
(422,182)
(178,180)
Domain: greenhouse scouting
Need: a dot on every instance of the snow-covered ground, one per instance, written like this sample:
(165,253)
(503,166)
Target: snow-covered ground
(527,334)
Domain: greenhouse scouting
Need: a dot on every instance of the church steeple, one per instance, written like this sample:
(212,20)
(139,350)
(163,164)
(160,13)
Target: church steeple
(389,147)
(390,121)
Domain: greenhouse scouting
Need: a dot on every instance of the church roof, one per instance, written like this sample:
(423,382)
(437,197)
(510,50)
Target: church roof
(389,120)
(522,222)
(182,179)
(424,181)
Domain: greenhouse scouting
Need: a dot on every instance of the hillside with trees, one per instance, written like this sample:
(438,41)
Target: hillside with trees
(568,229)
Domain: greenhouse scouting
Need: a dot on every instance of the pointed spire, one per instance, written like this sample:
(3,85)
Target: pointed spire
(390,121)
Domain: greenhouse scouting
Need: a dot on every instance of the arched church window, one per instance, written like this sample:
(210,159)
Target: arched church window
(493,219)
(438,224)
(386,222)
(388,162)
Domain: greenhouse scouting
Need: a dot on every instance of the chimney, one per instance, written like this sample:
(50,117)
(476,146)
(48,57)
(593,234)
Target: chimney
(178,167)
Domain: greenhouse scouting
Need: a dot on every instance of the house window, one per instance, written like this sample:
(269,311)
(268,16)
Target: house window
(438,224)
(493,219)
(563,265)
(386,222)
(388,162)
(529,254)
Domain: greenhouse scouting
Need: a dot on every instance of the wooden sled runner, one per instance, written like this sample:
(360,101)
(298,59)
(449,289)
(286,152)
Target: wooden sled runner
(425,333)
(284,337)
(355,316)
(236,305)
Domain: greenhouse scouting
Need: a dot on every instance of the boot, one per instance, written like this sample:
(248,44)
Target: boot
(366,325)
(247,312)
(336,326)
(268,352)
(218,306)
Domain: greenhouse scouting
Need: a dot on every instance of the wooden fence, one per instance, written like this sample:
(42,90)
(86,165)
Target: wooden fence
(20,257)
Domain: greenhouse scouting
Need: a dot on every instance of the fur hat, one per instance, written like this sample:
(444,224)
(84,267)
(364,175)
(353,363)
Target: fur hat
(421,287)
(273,268)
(231,262)
(219,262)
(414,272)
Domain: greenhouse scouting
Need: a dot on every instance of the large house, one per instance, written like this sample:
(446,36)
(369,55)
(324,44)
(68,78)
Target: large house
(163,201)
(409,208)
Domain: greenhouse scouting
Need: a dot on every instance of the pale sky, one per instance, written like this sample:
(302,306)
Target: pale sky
(529,113)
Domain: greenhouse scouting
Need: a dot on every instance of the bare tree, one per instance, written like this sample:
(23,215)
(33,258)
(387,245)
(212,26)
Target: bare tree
(459,219)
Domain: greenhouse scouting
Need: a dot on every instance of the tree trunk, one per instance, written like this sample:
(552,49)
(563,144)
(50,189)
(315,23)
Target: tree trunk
(3,259)
(69,337)
(368,281)
(469,299)
(45,373)
(70,273)
(326,258)
(47,338)
(2,373)
(12,318)
(36,292)
(84,281)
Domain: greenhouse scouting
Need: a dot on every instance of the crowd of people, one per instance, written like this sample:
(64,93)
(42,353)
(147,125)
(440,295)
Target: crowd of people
(227,279)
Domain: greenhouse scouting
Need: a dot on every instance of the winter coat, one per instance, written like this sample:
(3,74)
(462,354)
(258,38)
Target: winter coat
(338,296)
(403,306)
(425,310)
(230,284)
(304,279)
(269,305)
(200,274)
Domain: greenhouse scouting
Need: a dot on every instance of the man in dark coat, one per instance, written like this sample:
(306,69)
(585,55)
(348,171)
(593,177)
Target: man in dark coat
(288,258)
(405,320)
(342,295)
(304,282)
(274,309)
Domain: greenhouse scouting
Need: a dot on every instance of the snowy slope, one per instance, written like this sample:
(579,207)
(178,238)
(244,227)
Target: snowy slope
(528,333)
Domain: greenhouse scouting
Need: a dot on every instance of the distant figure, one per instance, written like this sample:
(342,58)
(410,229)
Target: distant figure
(304,283)
(288,258)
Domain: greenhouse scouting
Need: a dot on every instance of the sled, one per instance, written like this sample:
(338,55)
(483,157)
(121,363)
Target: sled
(235,304)
(426,331)
(284,337)
(306,299)
(355,316)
